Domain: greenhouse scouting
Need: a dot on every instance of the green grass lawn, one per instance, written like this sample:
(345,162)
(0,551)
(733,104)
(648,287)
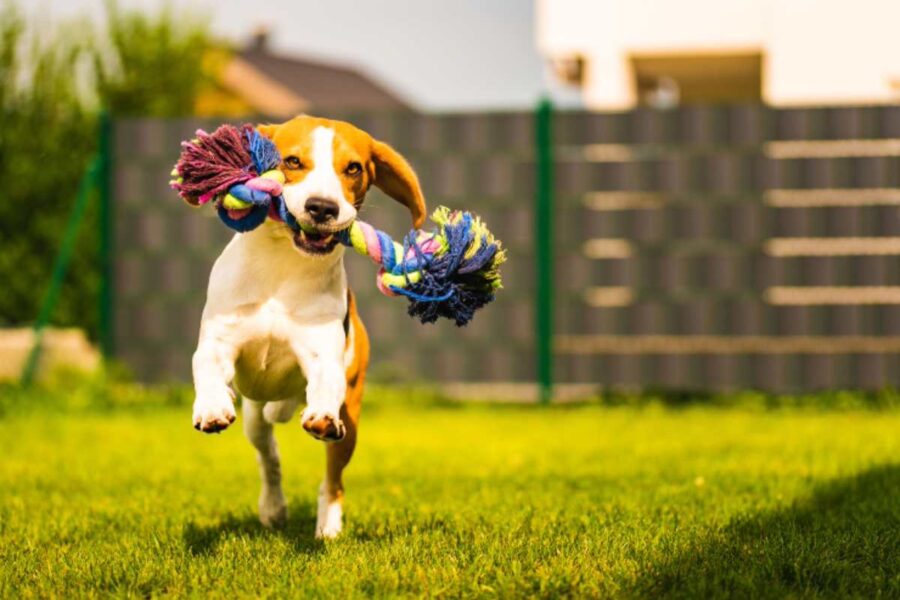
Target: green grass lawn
(461,501)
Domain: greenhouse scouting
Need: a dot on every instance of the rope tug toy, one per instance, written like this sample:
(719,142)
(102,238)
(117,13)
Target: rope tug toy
(449,272)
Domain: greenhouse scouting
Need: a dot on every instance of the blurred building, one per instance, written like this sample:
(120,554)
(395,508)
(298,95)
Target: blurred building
(255,80)
(667,52)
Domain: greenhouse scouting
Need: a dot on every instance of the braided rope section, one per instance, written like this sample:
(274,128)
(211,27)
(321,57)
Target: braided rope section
(237,168)
(449,272)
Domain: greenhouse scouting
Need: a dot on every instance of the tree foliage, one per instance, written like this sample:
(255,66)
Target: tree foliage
(150,65)
(52,85)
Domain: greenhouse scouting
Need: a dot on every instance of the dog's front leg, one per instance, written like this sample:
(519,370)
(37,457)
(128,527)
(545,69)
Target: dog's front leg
(213,366)
(320,350)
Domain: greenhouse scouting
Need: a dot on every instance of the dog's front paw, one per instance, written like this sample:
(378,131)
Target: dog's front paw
(323,425)
(215,412)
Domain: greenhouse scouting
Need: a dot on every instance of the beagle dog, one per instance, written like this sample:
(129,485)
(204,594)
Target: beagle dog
(280,323)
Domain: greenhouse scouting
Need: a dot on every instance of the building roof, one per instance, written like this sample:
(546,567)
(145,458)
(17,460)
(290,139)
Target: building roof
(318,84)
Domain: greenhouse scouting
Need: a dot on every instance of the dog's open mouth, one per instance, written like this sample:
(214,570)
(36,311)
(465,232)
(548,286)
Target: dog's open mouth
(315,242)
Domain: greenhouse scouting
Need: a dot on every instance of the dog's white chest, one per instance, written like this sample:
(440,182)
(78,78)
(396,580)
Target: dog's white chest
(270,320)
(277,312)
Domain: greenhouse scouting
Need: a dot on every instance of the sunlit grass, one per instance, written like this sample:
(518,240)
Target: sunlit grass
(450,501)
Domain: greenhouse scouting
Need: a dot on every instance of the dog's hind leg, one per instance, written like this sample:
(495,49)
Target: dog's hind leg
(329,521)
(272,506)
(331,494)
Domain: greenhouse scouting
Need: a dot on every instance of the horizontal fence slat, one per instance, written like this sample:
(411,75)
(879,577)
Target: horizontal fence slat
(696,344)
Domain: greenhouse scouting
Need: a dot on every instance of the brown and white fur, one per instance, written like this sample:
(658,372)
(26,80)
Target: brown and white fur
(280,323)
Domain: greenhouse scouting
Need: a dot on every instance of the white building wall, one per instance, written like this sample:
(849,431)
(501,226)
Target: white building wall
(815,51)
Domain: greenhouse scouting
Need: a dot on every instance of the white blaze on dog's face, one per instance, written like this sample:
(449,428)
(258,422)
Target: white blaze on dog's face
(329,166)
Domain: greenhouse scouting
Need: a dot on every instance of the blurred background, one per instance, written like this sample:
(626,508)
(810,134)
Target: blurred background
(695,195)
(699,200)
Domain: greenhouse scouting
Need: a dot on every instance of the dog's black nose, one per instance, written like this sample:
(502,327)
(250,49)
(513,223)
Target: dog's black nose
(322,210)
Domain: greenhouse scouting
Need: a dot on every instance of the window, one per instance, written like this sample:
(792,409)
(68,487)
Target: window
(666,80)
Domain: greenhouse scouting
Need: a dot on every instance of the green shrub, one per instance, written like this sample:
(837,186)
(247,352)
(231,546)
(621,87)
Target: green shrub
(46,138)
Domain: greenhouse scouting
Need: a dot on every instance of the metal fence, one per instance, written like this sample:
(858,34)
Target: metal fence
(700,248)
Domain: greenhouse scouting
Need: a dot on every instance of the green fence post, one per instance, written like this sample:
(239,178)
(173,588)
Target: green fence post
(105,304)
(60,265)
(543,235)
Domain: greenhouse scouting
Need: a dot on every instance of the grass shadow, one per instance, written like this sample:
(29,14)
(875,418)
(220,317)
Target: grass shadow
(202,540)
(842,541)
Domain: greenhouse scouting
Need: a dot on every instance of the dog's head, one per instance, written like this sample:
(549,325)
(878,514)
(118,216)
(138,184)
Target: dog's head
(329,166)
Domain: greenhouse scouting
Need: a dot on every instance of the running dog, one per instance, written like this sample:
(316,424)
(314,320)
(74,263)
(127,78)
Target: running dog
(280,323)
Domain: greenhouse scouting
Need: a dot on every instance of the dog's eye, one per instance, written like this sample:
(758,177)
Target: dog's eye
(353,168)
(292,162)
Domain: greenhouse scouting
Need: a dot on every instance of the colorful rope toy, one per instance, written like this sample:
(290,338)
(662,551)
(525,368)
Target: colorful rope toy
(449,272)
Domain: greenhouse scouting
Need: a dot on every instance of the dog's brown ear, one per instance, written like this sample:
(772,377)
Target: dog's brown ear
(396,178)
(267,130)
